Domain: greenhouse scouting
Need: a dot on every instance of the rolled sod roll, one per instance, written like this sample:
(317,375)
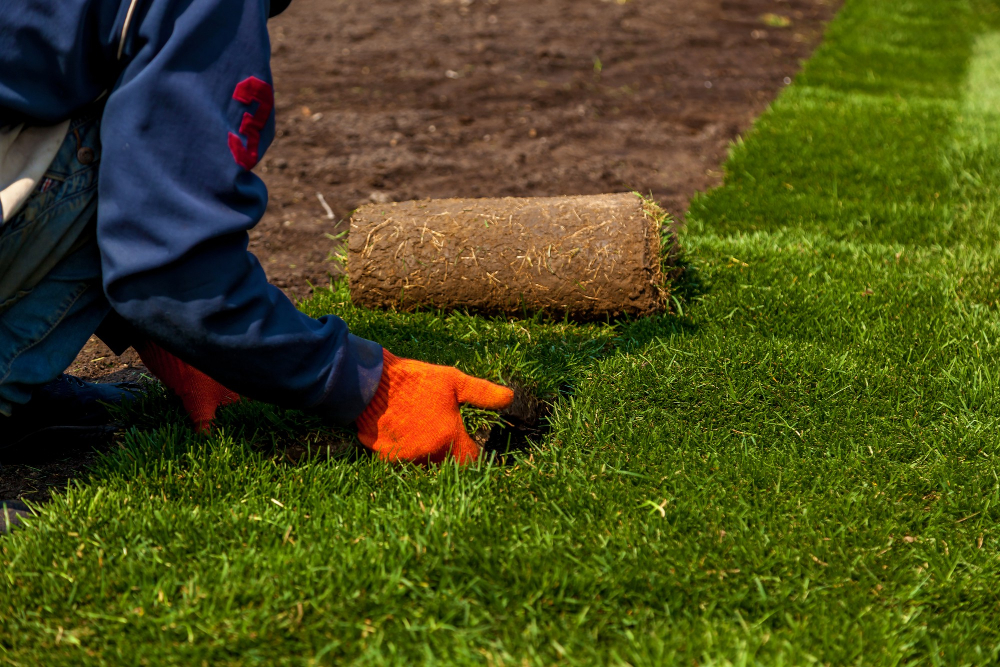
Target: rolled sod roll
(583,256)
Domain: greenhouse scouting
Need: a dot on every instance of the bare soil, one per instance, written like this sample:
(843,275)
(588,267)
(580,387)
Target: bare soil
(409,99)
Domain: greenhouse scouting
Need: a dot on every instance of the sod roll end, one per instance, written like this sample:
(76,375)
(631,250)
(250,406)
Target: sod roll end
(583,256)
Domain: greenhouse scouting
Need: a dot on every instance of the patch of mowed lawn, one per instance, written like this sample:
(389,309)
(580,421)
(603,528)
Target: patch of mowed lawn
(800,466)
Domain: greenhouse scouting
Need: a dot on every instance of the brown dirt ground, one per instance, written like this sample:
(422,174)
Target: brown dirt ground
(408,99)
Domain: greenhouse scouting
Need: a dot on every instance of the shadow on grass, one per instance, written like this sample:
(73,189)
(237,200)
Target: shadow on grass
(557,356)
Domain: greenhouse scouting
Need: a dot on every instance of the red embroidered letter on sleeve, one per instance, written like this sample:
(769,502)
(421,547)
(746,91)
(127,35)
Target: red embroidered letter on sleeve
(247,92)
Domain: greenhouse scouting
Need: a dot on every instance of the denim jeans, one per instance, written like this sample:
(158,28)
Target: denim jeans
(51,296)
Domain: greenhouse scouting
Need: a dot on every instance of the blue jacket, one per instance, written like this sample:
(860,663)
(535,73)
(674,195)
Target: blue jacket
(188,113)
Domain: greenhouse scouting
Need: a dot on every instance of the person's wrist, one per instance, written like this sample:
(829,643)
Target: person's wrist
(368,418)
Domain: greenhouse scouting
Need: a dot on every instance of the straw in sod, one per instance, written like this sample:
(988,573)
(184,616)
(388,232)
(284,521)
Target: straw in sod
(587,257)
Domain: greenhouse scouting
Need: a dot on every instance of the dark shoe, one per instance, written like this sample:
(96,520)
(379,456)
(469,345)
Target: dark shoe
(11,512)
(63,415)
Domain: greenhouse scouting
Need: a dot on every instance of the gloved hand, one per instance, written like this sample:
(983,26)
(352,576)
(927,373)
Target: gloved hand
(414,414)
(200,394)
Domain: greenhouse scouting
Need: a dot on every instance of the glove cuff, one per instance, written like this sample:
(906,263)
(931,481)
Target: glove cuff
(367,421)
(165,366)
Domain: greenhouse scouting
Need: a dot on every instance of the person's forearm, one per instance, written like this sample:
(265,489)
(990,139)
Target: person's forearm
(247,335)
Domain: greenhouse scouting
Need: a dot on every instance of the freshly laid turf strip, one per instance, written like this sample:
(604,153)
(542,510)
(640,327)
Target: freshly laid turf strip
(801,466)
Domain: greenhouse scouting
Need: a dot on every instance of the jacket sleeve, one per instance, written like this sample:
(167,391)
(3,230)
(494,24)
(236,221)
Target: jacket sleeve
(191,114)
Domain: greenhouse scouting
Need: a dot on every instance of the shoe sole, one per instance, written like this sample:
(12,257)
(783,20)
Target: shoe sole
(54,442)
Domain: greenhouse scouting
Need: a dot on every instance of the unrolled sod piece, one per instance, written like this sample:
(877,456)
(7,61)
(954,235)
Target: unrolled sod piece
(585,256)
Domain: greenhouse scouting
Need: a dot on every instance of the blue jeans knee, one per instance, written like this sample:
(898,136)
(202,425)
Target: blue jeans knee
(51,294)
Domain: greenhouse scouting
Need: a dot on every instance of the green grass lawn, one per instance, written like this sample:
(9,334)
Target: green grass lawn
(800,467)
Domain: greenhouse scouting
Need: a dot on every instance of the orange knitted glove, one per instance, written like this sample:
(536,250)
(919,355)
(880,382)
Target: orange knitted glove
(200,394)
(414,414)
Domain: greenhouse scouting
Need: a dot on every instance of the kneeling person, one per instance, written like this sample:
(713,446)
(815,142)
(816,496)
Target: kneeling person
(128,132)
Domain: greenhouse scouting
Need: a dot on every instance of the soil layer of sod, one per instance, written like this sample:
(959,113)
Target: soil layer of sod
(407,100)
(584,257)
